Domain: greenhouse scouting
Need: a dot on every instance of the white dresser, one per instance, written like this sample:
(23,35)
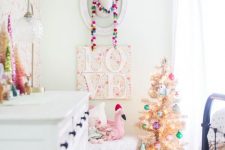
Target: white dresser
(47,121)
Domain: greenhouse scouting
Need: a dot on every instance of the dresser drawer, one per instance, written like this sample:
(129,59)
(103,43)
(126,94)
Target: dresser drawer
(73,130)
(51,123)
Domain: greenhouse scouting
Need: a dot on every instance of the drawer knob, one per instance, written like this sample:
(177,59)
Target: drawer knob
(65,145)
(83,118)
(73,133)
(79,124)
(87,113)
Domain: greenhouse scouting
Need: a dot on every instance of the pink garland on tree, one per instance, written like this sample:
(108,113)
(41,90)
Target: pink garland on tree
(9,27)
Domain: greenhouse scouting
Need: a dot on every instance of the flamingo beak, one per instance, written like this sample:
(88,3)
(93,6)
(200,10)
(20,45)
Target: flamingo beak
(124,117)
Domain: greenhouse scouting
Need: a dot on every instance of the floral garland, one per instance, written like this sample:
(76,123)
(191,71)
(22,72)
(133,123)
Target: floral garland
(114,8)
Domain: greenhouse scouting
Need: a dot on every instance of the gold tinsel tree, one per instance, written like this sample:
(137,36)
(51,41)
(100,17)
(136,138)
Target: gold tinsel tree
(161,119)
(4,40)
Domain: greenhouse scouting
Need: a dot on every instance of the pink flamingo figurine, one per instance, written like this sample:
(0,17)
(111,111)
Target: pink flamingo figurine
(116,127)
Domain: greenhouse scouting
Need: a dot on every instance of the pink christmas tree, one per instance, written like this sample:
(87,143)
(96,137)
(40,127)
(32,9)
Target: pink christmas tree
(20,73)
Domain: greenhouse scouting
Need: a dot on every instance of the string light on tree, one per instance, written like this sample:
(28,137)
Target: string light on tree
(164,123)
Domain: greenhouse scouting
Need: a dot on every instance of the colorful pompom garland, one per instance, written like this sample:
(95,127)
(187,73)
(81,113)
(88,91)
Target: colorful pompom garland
(114,8)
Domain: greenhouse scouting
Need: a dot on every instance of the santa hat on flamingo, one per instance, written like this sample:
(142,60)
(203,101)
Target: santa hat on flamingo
(118,106)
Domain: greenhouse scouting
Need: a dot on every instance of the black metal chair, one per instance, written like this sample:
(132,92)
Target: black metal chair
(206,118)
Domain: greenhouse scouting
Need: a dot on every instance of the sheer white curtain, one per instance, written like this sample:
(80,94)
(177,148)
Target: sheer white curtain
(189,66)
(214,37)
(199,58)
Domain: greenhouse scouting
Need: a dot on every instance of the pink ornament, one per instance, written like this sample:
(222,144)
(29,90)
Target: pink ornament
(171,76)
(156,125)
(157,145)
(169,137)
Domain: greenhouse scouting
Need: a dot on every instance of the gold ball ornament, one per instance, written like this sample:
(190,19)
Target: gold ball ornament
(150,148)
(165,112)
(147,116)
(153,94)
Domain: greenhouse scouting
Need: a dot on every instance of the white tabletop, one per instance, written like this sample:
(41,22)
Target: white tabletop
(51,105)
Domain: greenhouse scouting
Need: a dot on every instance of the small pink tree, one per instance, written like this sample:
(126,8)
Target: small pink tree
(20,73)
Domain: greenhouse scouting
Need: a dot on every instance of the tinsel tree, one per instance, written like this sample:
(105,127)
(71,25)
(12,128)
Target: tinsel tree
(4,40)
(161,119)
(20,73)
(8,65)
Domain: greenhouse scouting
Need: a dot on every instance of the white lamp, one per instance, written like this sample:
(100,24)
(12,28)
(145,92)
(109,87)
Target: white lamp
(29,29)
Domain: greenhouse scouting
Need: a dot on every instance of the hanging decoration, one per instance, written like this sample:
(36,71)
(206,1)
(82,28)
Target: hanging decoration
(96,5)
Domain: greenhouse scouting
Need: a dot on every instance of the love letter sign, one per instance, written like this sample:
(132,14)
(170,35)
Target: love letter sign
(105,72)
